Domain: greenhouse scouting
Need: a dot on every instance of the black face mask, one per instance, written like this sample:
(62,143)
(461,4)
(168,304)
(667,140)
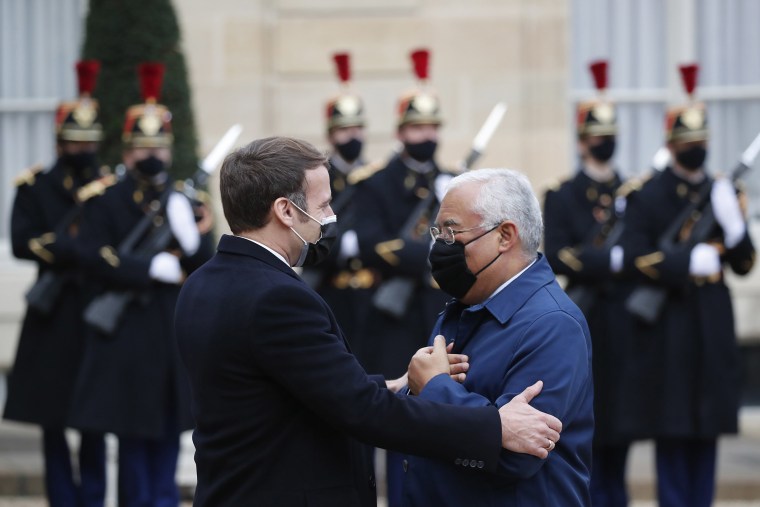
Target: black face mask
(604,150)
(692,158)
(421,152)
(317,252)
(151,166)
(350,150)
(449,266)
(80,162)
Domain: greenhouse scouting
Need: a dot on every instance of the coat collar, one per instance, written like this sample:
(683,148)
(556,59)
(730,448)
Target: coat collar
(240,246)
(504,304)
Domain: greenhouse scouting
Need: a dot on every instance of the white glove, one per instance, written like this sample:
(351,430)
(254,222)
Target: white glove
(727,212)
(704,261)
(182,223)
(616,259)
(165,267)
(440,185)
(349,245)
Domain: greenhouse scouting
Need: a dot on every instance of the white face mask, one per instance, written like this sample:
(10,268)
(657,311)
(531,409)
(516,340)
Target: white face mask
(314,253)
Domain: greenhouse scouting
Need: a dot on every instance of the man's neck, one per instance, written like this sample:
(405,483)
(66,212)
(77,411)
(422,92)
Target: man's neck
(341,164)
(692,177)
(601,172)
(262,238)
(417,166)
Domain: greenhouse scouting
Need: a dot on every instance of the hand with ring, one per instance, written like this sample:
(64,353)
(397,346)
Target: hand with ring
(550,447)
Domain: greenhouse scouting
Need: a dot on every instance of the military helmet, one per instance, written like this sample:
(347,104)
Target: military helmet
(421,105)
(597,117)
(78,120)
(688,122)
(148,125)
(345,109)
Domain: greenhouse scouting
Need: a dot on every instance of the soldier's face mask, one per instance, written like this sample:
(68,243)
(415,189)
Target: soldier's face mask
(314,253)
(449,266)
(80,162)
(151,166)
(604,150)
(350,150)
(421,152)
(692,158)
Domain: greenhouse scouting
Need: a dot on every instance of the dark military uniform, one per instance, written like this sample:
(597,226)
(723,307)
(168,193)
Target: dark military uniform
(579,216)
(390,203)
(50,346)
(44,224)
(342,280)
(688,359)
(685,363)
(131,383)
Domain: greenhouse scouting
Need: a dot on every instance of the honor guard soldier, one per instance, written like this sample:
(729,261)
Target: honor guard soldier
(396,206)
(44,224)
(137,243)
(581,227)
(681,229)
(341,279)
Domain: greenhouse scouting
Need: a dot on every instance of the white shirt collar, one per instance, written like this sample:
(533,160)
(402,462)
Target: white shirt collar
(262,245)
(502,286)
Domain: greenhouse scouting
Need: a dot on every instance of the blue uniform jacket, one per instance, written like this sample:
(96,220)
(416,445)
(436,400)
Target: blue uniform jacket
(527,332)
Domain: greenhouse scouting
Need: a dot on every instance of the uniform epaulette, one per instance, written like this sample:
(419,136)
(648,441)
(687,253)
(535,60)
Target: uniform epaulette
(362,173)
(555,185)
(97,187)
(28,175)
(633,184)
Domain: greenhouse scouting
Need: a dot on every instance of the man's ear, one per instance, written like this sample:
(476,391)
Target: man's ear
(508,235)
(282,211)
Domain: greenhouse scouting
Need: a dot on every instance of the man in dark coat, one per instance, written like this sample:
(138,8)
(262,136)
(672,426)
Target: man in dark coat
(579,216)
(131,382)
(278,398)
(44,223)
(687,365)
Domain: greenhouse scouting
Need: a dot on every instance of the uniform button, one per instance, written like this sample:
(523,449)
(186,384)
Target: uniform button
(405,463)
(481,464)
(465,462)
(473,464)
(458,461)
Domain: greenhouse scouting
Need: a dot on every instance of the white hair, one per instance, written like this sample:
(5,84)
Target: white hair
(506,194)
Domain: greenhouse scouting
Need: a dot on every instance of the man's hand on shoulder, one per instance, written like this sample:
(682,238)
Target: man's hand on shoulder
(525,429)
(431,361)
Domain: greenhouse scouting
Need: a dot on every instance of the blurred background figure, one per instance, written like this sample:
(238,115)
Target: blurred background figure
(396,206)
(681,229)
(44,225)
(137,244)
(341,279)
(581,221)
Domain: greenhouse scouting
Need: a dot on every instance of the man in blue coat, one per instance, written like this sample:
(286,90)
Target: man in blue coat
(279,401)
(514,323)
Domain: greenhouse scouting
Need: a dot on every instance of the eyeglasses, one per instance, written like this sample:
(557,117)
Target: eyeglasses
(447,234)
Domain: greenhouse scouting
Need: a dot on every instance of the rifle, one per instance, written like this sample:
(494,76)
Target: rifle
(608,234)
(105,312)
(647,301)
(393,295)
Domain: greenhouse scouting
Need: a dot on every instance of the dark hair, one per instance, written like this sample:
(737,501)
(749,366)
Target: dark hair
(256,175)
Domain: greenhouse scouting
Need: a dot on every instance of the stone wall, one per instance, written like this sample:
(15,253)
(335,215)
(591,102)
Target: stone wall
(267,65)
